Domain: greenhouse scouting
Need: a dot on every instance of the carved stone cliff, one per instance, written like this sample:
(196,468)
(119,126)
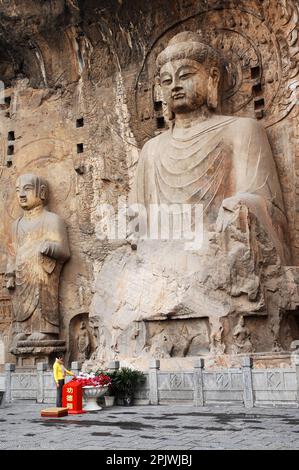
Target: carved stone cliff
(81,100)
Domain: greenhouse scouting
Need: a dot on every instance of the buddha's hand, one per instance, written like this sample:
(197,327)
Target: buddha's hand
(47,248)
(229,210)
(10,281)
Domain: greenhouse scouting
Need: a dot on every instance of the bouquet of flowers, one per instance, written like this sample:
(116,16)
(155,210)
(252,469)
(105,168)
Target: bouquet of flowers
(92,380)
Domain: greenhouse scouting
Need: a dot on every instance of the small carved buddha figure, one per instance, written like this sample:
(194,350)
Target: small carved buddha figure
(37,251)
(205,157)
(241,335)
(83,342)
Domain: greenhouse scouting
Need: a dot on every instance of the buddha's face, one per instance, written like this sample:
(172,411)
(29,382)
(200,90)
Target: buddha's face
(184,84)
(26,192)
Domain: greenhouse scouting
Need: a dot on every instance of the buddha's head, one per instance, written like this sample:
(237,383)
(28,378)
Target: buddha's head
(32,191)
(190,73)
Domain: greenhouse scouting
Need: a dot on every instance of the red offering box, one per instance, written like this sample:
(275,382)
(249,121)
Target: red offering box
(72,397)
(54,412)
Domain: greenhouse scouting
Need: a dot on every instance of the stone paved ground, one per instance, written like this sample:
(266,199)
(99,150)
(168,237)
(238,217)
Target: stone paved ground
(164,427)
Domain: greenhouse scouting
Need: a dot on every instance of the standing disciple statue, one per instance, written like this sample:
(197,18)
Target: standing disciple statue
(38,250)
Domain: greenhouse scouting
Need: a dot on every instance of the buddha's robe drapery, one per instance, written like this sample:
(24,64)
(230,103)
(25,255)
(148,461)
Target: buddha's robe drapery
(205,164)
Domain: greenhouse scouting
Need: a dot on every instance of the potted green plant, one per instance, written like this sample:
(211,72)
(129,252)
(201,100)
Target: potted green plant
(112,389)
(111,392)
(125,383)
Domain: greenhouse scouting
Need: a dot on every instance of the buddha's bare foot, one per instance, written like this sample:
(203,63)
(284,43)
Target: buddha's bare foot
(36,336)
(20,337)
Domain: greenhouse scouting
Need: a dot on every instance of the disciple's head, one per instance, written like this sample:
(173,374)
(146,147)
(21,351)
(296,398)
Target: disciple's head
(32,191)
(190,73)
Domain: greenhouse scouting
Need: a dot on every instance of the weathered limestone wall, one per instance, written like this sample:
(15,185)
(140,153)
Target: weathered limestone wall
(64,61)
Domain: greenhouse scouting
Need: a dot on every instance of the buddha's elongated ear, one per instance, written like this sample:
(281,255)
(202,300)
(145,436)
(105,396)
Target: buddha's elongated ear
(213,88)
(43,192)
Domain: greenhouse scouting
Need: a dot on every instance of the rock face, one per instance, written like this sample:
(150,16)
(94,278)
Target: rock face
(81,99)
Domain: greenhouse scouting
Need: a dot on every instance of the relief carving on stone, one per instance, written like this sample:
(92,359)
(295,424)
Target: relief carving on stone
(37,251)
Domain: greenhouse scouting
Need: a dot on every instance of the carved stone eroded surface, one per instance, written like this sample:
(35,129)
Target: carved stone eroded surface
(82,99)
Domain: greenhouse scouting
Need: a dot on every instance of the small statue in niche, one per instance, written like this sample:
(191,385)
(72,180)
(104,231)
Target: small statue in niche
(241,335)
(38,249)
(161,346)
(83,343)
(216,344)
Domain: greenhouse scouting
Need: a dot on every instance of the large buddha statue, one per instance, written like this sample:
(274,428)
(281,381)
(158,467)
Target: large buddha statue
(170,301)
(207,158)
(37,252)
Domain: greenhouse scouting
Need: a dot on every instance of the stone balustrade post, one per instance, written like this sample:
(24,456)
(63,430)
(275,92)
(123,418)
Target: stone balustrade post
(198,399)
(153,382)
(247,382)
(296,363)
(76,367)
(41,367)
(9,369)
(113,365)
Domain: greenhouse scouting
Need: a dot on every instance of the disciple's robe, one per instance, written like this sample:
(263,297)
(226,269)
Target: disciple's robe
(35,297)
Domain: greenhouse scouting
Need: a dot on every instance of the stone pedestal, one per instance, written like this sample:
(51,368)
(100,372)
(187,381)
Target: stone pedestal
(29,353)
(76,367)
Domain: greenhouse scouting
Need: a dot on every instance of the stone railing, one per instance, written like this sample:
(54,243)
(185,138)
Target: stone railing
(2,390)
(246,385)
(36,385)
